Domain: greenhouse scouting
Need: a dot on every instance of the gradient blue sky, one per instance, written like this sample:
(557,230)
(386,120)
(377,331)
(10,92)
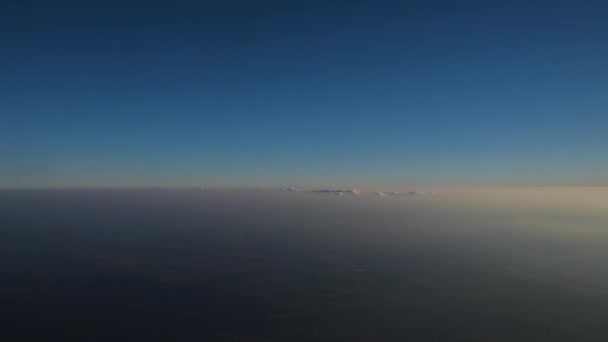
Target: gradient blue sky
(308,92)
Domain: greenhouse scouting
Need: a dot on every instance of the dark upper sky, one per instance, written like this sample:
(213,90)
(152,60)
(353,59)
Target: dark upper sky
(309,92)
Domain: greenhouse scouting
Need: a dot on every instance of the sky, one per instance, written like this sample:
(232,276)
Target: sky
(138,93)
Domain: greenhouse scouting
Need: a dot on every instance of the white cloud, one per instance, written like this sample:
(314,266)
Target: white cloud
(405,193)
(338,192)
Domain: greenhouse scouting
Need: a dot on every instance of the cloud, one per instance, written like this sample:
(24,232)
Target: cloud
(405,193)
(399,193)
(338,192)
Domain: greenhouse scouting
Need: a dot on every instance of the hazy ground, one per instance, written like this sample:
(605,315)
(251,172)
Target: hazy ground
(522,264)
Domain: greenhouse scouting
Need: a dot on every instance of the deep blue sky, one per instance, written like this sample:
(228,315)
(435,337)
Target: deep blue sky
(306,92)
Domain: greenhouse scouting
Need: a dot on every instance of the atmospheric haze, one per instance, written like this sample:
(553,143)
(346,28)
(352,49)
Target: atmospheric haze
(500,264)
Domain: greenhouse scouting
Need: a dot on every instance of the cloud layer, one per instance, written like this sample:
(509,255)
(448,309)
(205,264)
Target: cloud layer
(338,192)
(405,193)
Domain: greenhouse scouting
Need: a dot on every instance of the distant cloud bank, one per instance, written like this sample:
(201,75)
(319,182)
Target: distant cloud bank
(338,192)
(376,193)
(406,193)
